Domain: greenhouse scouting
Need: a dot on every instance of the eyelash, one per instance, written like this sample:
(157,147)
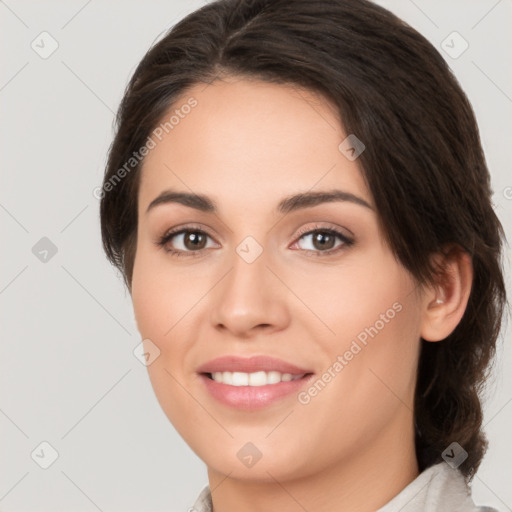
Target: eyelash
(162,241)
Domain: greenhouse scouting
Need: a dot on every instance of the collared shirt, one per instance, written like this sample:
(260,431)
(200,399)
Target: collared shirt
(438,489)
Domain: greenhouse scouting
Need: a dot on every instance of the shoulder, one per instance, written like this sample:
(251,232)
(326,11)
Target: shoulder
(203,502)
(440,488)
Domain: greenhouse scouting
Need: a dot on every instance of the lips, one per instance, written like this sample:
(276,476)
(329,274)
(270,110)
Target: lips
(250,397)
(250,365)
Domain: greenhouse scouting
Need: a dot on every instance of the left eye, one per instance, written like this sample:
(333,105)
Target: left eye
(322,240)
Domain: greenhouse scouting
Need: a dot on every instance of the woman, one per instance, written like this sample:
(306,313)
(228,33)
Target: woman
(299,203)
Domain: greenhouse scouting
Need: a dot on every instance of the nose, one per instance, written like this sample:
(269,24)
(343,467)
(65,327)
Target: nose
(251,297)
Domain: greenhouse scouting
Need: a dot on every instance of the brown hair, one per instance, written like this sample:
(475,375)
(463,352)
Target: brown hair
(423,163)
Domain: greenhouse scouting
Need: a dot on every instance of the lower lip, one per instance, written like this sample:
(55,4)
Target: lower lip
(251,398)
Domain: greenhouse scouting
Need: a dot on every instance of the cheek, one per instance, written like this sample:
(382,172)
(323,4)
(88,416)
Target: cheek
(156,294)
(148,303)
(371,381)
(355,295)
(165,304)
(375,318)
(160,311)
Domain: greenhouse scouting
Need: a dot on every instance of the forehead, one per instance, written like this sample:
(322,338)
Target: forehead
(249,141)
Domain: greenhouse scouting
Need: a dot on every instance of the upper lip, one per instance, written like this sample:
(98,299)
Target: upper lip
(232,363)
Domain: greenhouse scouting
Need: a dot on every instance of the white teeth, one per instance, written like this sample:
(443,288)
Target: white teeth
(257,379)
(239,379)
(253,379)
(273,377)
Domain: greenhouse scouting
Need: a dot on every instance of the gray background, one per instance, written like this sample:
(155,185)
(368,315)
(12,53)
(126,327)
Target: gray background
(68,373)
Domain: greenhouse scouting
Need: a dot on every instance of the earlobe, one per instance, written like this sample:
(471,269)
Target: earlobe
(445,303)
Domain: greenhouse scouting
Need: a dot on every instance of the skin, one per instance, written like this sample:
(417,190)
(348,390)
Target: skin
(248,144)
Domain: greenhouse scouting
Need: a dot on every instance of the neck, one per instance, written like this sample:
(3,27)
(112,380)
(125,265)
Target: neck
(362,482)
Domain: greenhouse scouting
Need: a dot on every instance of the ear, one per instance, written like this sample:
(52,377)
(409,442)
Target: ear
(445,302)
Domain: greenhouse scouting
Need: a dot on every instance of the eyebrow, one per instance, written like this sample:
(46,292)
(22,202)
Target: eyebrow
(289,204)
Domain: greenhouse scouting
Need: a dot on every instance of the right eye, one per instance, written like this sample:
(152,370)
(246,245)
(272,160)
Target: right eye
(191,239)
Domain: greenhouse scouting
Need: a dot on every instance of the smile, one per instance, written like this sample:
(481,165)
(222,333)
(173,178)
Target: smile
(253,379)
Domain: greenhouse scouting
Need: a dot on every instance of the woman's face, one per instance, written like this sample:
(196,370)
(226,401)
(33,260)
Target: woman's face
(252,280)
